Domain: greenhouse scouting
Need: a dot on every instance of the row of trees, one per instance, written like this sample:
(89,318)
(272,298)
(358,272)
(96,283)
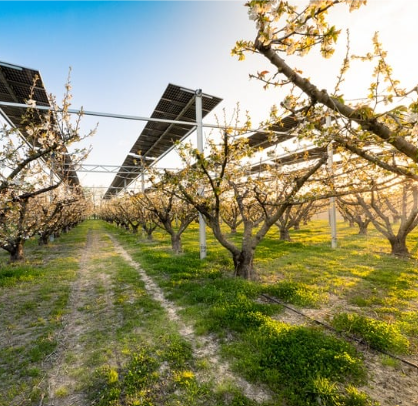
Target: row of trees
(40,216)
(37,198)
(376,145)
(393,212)
(225,189)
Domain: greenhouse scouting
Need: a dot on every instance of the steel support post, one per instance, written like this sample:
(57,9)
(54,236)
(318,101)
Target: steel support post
(332,208)
(199,134)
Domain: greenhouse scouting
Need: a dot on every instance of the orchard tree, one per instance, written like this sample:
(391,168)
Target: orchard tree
(352,211)
(379,207)
(126,213)
(225,174)
(146,218)
(42,142)
(172,214)
(25,162)
(18,224)
(294,214)
(61,212)
(366,128)
(30,216)
(231,215)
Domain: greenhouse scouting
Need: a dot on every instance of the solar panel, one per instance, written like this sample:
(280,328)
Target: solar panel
(16,85)
(292,158)
(275,133)
(176,103)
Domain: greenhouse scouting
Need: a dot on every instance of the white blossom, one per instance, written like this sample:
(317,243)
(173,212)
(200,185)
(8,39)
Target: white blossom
(412,118)
(31,102)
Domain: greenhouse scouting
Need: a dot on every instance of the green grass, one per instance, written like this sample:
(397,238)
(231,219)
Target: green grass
(128,351)
(135,355)
(305,272)
(35,294)
(378,334)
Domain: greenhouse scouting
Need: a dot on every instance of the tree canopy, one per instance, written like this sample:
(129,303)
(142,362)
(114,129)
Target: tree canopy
(366,128)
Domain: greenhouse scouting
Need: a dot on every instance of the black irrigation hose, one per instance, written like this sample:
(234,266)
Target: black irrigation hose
(328,327)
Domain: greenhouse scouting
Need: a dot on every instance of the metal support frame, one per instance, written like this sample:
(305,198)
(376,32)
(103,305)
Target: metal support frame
(133,118)
(200,147)
(332,208)
(142,170)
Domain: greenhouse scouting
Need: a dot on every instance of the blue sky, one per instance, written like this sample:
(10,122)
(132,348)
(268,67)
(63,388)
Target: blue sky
(123,55)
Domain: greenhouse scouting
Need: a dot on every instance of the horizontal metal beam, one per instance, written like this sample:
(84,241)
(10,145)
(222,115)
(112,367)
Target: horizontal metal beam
(134,118)
(104,168)
(98,114)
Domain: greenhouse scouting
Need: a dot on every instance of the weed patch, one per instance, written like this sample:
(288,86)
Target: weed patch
(296,293)
(13,274)
(378,334)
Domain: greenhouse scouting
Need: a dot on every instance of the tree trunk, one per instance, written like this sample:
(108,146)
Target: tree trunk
(398,245)
(362,228)
(149,235)
(176,243)
(43,239)
(284,234)
(243,263)
(233,230)
(16,254)
(297,226)
(135,228)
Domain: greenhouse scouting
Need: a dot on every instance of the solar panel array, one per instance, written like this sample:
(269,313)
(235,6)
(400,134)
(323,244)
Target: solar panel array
(17,85)
(157,138)
(292,158)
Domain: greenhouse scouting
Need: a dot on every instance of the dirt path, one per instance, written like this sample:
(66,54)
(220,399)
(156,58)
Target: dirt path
(71,353)
(91,310)
(203,347)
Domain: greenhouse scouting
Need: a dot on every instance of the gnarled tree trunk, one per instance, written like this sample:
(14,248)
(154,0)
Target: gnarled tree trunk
(399,247)
(43,239)
(284,234)
(243,263)
(176,243)
(362,228)
(16,252)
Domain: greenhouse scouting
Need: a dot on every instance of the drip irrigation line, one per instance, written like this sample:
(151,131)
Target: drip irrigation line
(344,335)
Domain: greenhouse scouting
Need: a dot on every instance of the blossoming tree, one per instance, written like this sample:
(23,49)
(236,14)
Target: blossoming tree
(365,128)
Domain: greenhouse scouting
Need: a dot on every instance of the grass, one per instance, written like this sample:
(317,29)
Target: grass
(133,354)
(305,272)
(378,334)
(126,351)
(35,294)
